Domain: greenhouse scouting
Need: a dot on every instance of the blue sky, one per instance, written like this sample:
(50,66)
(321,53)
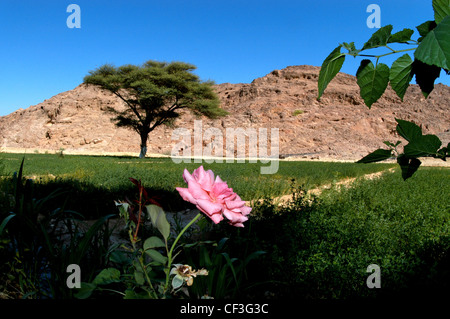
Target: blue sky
(229,41)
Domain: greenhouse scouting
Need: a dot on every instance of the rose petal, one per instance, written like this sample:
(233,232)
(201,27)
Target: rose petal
(197,191)
(221,190)
(209,207)
(245,210)
(232,204)
(216,218)
(234,217)
(186,195)
(187,176)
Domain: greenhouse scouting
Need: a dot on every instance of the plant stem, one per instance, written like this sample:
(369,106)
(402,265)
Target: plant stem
(155,296)
(169,255)
(386,54)
(139,215)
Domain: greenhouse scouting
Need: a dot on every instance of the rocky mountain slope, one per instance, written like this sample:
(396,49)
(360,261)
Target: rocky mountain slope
(339,126)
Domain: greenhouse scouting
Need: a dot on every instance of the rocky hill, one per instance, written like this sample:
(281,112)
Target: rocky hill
(339,126)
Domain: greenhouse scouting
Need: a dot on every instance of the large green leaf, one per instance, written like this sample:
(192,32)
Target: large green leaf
(408,130)
(435,47)
(153,242)
(372,81)
(425,145)
(107,276)
(425,28)
(330,67)
(441,9)
(426,75)
(159,220)
(401,75)
(401,36)
(379,38)
(408,165)
(419,145)
(156,256)
(376,156)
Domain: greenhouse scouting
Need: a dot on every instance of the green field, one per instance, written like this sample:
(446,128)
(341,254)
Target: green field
(93,174)
(315,247)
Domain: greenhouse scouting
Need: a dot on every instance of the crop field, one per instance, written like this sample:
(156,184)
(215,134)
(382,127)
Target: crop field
(322,246)
(111,174)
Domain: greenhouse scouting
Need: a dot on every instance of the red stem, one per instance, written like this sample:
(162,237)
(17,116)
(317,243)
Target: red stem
(140,212)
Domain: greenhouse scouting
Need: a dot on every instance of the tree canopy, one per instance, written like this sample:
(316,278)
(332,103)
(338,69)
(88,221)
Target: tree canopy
(155,93)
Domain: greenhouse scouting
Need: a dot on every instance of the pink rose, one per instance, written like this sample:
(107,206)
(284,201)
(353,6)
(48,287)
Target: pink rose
(213,197)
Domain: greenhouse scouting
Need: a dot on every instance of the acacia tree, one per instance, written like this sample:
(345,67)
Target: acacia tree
(154,94)
(431,55)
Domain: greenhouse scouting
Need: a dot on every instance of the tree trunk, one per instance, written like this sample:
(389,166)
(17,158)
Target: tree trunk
(144,137)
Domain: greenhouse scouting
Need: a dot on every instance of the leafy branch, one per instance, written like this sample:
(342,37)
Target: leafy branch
(431,54)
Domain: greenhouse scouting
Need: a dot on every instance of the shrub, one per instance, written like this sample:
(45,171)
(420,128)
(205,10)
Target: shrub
(322,248)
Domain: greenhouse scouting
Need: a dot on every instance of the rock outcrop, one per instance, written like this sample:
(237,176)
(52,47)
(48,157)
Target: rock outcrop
(339,126)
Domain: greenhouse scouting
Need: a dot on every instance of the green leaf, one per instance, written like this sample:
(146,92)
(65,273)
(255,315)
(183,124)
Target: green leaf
(425,145)
(425,76)
(159,220)
(401,36)
(425,28)
(408,130)
(330,67)
(372,81)
(441,10)
(153,242)
(376,156)
(408,166)
(139,277)
(351,48)
(252,256)
(401,75)
(177,282)
(435,47)
(131,294)
(119,257)
(5,221)
(419,145)
(156,256)
(379,38)
(107,276)
(85,291)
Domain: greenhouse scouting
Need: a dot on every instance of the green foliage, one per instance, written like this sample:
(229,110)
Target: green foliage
(419,146)
(431,54)
(330,67)
(432,49)
(372,81)
(400,75)
(35,251)
(379,39)
(441,10)
(323,245)
(155,93)
(92,183)
(435,47)
(228,276)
